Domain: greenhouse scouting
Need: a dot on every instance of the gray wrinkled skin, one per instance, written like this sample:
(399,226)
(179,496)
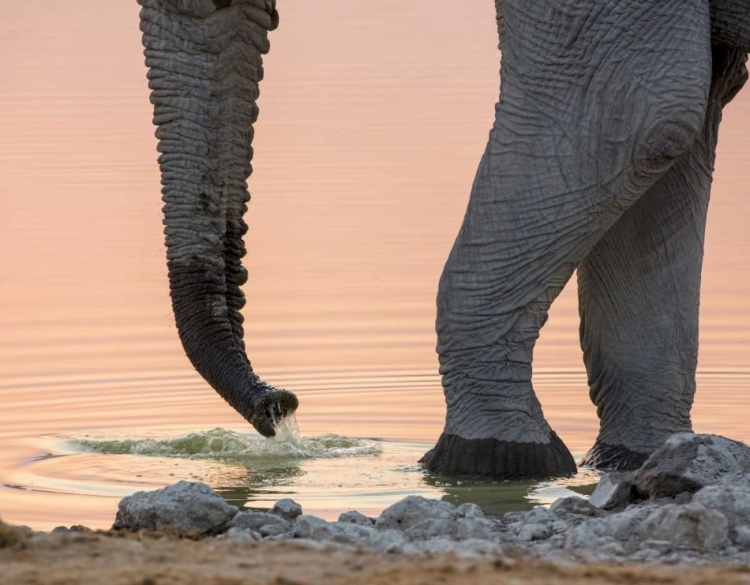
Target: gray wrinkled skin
(205,64)
(600,159)
(599,163)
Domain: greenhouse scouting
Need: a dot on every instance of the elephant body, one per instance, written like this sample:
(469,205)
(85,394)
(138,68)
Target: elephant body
(600,159)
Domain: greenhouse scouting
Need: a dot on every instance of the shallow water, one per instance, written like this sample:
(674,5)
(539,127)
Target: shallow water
(373,118)
(327,474)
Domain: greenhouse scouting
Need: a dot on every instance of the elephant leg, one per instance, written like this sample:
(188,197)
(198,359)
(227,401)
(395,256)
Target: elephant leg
(639,291)
(597,101)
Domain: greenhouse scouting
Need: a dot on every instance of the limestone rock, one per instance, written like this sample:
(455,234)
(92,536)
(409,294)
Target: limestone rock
(615,490)
(354,517)
(692,527)
(730,497)
(687,462)
(287,508)
(186,505)
(412,510)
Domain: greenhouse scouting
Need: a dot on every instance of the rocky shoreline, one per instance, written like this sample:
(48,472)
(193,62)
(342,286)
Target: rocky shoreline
(689,503)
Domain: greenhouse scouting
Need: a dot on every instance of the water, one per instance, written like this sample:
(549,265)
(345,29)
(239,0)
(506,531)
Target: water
(373,119)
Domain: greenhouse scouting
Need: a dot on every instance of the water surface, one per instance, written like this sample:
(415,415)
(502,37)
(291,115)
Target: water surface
(373,119)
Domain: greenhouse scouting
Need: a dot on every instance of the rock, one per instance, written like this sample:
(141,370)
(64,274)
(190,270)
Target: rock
(390,541)
(615,490)
(235,534)
(730,497)
(412,510)
(530,532)
(465,549)
(186,505)
(539,515)
(343,533)
(741,537)
(600,533)
(574,510)
(687,462)
(287,508)
(261,522)
(305,524)
(452,528)
(470,511)
(692,527)
(361,536)
(354,517)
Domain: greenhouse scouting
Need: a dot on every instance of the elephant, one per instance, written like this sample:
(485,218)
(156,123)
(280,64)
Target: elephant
(599,161)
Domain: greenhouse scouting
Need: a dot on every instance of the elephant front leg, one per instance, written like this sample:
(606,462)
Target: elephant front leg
(639,292)
(596,105)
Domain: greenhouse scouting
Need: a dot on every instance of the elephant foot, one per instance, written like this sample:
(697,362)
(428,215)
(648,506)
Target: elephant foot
(613,458)
(494,459)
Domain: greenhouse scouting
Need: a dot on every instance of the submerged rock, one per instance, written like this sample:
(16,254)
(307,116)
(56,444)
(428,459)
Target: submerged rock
(687,462)
(615,490)
(185,505)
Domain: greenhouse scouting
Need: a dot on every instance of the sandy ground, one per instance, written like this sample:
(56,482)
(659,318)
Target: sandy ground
(96,558)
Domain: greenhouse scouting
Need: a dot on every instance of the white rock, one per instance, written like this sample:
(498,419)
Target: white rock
(412,510)
(287,508)
(185,505)
(686,462)
(691,527)
(615,490)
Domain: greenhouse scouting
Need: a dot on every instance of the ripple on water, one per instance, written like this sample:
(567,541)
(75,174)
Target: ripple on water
(226,445)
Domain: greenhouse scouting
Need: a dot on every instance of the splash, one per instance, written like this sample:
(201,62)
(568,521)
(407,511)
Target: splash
(222,444)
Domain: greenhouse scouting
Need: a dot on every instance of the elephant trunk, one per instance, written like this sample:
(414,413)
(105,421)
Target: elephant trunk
(205,63)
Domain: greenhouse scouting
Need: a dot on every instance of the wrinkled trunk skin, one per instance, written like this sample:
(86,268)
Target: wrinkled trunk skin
(205,63)
(597,102)
(639,292)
